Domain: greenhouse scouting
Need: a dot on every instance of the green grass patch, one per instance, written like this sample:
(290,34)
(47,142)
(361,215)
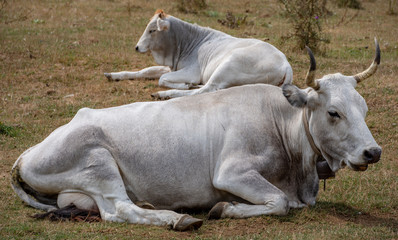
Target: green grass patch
(8,131)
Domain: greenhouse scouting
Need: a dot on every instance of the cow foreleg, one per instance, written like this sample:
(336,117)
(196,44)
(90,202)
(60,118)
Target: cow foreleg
(247,183)
(276,206)
(150,73)
(182,79)
(212,85)
(174,93)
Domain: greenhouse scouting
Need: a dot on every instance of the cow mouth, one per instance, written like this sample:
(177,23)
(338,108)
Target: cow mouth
(359,168)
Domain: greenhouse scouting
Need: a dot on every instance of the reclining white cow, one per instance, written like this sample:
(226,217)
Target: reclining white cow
(254,145)
(202,56)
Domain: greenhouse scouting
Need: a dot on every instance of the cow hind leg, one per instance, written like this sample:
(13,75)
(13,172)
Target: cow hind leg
(80,200)
(102,188)
(87,175)
(79,207)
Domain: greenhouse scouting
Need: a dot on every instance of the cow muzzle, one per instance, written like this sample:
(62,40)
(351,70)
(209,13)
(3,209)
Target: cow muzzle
(141,49)
(371,155)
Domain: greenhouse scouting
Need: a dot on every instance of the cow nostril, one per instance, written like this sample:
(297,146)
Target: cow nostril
(372,155)
(136,48)
(368,155)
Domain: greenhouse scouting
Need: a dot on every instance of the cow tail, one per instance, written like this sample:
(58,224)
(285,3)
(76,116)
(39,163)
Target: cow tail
(288,75)
(21,188)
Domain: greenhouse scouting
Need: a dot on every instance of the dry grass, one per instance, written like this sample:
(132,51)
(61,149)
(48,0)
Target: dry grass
(53,54)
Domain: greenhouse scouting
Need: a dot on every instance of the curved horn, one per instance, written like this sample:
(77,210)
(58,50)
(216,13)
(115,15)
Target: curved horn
(310,79)
(372,69)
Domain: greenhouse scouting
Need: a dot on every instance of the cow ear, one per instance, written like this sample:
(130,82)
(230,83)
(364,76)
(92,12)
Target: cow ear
(163,25)
(294,95)
(161,14)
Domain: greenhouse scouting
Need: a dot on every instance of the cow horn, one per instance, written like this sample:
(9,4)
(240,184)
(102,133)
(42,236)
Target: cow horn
(310,79)
(372,69)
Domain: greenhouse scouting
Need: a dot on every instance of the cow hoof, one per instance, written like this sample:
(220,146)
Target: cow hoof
(155,96)
(217,210)
(108,76)
(188,223)
(110,79)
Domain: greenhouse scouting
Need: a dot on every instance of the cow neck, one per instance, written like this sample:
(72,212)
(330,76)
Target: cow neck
(187,43)
(308,134)
(324,172)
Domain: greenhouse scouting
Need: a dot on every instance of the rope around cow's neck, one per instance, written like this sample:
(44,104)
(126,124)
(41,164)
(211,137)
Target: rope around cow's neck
(311,141)
(308,134)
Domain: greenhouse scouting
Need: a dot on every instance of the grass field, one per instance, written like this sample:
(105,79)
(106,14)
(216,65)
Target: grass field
(54,53)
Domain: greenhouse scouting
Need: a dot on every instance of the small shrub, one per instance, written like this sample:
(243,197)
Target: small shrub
(232,21)
(349,4)
(305,16)
(191,6)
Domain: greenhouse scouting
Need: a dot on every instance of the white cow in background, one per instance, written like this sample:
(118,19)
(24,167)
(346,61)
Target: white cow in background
(204,58)
(244,151)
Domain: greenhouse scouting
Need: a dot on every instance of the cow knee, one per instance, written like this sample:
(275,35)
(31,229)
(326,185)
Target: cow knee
(165,81)
(280,205)
(162,82)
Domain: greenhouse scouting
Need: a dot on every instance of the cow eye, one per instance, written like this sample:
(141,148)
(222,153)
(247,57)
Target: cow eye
(151,31)
(334,114)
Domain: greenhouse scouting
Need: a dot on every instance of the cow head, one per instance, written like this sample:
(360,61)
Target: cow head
(154,35)
(336,117)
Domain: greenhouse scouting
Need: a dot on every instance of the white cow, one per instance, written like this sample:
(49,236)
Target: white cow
(254,145)
(204,58)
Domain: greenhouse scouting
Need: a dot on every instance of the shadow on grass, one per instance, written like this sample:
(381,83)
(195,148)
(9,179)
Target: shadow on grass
(323,213)
(344,213)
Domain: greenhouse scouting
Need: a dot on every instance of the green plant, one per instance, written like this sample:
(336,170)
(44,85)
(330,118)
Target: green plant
(8,130)
(305,16)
